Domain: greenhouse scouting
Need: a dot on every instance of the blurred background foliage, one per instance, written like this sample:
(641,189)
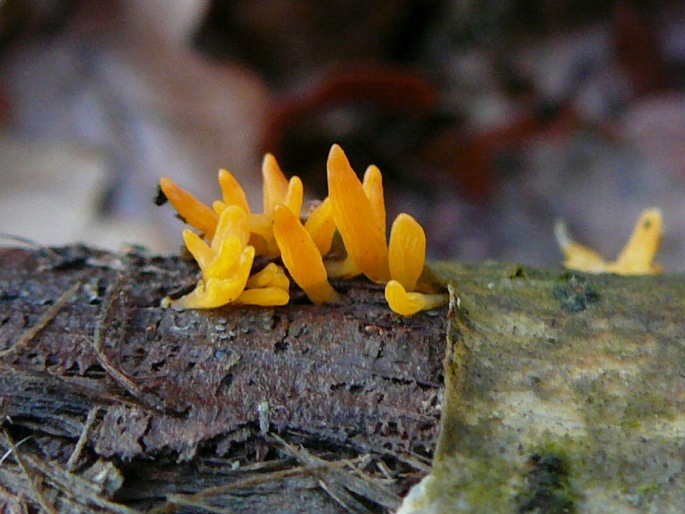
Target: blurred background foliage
(489,119)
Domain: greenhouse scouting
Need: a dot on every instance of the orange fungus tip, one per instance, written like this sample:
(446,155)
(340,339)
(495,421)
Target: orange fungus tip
(321,226)
(275,185)
(232,191)
(356,219)
(407,253)
(373,187)
(294,196)
(192,210)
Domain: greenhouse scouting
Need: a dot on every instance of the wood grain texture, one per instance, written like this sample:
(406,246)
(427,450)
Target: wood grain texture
(184,387)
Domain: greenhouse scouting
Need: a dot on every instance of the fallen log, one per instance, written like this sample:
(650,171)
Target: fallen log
(182,401)
(563,392)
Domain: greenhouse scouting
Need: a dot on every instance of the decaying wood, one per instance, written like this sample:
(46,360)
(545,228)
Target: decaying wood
(563,392)
(126,405)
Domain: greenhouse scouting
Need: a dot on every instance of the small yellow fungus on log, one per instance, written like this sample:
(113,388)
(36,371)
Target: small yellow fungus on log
(301,257)
(636,258)
(362,232)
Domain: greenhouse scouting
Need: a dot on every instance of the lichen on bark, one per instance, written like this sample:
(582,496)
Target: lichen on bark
(548,366)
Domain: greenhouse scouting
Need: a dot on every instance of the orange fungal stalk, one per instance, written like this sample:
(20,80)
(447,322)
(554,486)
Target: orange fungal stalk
(192,210)
(356,218)
(301,257)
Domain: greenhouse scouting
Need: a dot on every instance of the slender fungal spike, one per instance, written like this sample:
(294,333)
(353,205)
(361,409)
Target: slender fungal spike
(373,187)
(275,185)
(407,253)
(192,210)
(232,191)
(356,219)
(638,255)
(321,226)
(301,257)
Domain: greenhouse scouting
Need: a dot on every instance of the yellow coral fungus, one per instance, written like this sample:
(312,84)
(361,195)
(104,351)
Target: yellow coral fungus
(373,187)
(264,296)
(356,218)
(276,190)
(267,287)
(272,275)
(274,184)
(192,210)
(225,265)
(215,291)
(409,303)
(636,258)
(301,257)
(407,253)
(321,226)
(356,209)
(231,237)
(232,191)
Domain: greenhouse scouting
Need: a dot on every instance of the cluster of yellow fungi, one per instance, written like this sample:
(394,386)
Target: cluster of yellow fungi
(231,235)
(636,258)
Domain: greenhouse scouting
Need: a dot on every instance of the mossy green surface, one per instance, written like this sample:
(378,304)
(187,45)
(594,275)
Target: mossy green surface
(584,368)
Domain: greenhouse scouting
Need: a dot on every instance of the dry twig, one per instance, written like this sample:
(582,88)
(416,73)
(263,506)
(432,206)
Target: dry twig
(39,496)
(46,318)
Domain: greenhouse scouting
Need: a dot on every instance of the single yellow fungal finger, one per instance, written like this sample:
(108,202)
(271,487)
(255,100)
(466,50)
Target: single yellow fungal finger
(272,275)
(234,221)
(261,225)
(373,187)
(577,256)
(280,281)
(265,297)
(321,226)
(345,268)
(407,303)
(200,251)
(301,256)
(295,196)
(638,255)
(361,230)
(192,210)
(226,260)
(232,191)
(407,253)
(275,185)
(263,277)
(218,206)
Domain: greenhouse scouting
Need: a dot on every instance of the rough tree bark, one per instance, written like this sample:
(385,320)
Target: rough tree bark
(293,409)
